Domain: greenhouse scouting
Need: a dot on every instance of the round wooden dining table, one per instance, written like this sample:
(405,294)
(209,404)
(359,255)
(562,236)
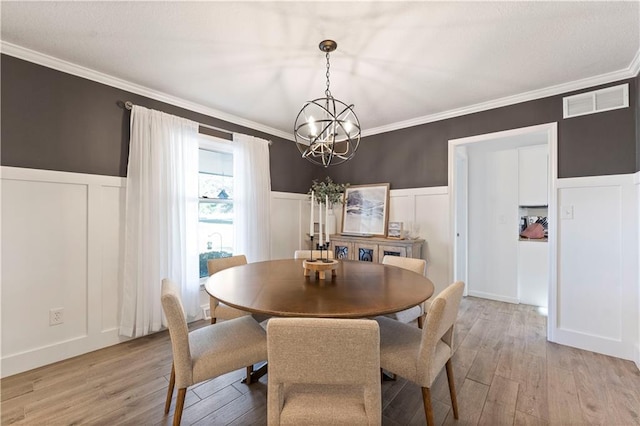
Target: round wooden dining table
(280,288)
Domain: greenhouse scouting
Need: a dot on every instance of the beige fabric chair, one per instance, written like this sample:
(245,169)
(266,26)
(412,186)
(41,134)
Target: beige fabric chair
(306,254)
(208,351)
(217,309)
(419,355)
(418,266)
(323,371)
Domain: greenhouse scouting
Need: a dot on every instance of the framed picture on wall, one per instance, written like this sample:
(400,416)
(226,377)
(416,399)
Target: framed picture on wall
(365,210)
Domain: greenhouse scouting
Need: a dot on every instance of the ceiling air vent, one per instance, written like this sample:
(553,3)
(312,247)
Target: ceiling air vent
(597,101)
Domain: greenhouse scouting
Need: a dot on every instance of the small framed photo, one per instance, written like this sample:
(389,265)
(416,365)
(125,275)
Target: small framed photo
(395,231)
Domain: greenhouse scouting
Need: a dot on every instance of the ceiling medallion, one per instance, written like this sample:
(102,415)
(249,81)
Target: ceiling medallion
(327,130)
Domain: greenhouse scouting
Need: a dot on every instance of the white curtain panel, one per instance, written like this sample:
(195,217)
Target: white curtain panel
(161,231)
(252,200)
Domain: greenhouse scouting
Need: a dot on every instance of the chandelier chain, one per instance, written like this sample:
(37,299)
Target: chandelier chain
(328,92)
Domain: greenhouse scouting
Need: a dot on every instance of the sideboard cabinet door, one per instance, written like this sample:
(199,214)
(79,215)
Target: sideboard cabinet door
(343,250)
(366,252)
(391,251)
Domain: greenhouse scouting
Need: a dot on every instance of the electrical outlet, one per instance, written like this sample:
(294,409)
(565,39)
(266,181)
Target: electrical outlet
(56,316)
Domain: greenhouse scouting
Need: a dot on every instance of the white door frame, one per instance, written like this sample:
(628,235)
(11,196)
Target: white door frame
(551,130)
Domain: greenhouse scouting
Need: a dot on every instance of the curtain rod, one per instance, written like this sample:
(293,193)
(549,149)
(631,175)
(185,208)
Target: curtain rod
(129,105)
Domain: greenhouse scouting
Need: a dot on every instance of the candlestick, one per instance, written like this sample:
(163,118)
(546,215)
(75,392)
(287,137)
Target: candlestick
(311,218)
(326,218)
(320,223)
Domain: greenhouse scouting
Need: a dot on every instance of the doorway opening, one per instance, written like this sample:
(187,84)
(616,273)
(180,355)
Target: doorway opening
(487,208)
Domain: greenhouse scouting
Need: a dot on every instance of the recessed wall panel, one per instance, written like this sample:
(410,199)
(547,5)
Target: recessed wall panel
(111,216)
(44,263)
(590,260)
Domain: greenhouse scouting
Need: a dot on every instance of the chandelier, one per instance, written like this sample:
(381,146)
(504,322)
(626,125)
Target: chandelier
(327,131)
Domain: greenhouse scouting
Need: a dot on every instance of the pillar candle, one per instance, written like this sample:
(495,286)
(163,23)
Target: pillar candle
(320,222)
(326,215)
(311,218)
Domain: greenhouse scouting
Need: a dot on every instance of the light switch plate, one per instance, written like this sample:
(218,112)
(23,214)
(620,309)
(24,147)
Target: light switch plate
(566,212)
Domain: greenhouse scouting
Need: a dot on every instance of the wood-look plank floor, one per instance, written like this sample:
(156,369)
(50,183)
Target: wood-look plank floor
(506,373)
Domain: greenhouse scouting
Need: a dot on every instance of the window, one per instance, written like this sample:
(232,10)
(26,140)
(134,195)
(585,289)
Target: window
(215,232)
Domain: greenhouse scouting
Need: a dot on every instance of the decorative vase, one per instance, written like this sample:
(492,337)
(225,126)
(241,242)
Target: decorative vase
(330,226)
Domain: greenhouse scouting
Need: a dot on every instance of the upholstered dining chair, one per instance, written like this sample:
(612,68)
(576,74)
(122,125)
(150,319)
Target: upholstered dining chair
(306,254)
(209,351)
(323,371)
(418,266)
(220,310)
(419,355)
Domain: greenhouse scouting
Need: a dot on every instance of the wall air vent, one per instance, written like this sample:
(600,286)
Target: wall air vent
(597,101)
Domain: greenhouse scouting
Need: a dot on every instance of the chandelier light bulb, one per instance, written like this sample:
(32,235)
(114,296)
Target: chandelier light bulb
(313,130)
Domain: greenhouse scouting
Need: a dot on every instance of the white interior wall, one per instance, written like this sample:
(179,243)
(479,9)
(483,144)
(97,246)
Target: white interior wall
(493,223)
(62,246)
(289,212)
(425,211)
(597,279)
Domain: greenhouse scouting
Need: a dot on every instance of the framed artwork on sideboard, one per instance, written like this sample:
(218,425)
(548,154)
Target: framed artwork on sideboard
(365,210)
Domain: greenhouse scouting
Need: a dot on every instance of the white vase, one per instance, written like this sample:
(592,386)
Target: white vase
(330,226)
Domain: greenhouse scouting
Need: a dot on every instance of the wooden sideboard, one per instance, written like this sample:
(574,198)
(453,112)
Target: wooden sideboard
(373,249)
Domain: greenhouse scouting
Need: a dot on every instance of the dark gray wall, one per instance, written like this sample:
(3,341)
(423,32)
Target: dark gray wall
(55,121)
(591,145)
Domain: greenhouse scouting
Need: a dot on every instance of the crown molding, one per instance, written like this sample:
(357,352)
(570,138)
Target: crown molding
(90,74)
(629,72)
(634,67)
(70,68)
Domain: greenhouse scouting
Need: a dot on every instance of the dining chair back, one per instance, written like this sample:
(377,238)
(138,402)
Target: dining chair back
(206,352)
(323,371)
(220,310)
(419,355)
(419,266)
(306,254)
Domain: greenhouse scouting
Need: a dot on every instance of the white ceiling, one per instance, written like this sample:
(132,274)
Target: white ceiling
(398,62)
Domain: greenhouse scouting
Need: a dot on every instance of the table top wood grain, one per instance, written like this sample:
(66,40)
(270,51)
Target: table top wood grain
(279,288)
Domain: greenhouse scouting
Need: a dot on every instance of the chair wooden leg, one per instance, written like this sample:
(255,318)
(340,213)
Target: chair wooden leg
(177,416)
(172,383)
(428,409)
(452,388)
(420,321)
(213,320)
(249,373)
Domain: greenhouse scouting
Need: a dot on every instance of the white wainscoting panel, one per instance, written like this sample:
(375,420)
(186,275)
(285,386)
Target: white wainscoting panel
(63,235)
(426,212)
(44,262)
(111,241)
(597,278)
(289,224)
(61,248)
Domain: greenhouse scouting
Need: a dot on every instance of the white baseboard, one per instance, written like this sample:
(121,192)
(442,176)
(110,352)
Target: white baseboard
(492,296)
(20,362)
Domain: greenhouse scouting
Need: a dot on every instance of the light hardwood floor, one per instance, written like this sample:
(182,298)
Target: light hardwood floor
(505,371)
